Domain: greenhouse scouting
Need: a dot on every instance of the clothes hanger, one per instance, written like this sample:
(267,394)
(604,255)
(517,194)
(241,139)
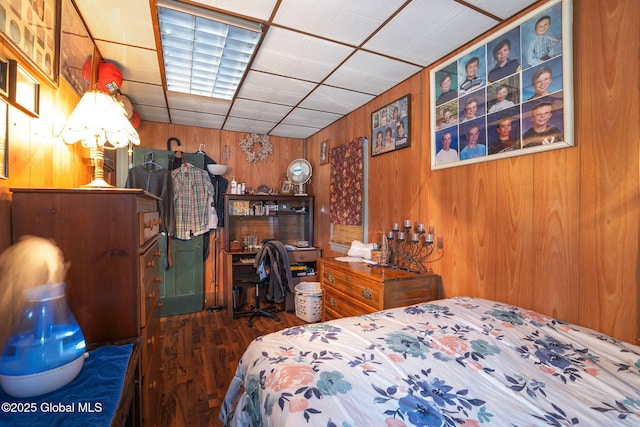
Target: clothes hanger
(200,150)
(149,161)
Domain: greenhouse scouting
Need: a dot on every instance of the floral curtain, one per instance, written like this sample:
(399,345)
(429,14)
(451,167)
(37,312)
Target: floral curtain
(346,185)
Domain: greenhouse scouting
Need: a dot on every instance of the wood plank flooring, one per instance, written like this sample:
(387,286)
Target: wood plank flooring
(200,355)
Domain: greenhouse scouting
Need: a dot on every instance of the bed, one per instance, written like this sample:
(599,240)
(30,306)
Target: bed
(458,361)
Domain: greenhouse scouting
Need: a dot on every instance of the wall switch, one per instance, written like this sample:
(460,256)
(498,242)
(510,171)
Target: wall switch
(440,243)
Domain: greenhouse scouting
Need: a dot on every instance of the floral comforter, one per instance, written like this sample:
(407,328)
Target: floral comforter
(459,361)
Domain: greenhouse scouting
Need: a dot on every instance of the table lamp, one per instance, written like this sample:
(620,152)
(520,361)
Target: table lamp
(99,122)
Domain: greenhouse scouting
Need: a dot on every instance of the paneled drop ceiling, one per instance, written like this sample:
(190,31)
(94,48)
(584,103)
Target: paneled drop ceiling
(318,60)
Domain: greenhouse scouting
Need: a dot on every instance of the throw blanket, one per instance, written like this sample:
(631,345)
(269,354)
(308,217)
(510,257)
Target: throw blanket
(274,255)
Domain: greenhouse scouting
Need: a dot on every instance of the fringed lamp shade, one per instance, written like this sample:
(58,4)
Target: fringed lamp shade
(99,122)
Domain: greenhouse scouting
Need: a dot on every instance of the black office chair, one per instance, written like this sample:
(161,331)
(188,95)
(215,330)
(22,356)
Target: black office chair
(256,310)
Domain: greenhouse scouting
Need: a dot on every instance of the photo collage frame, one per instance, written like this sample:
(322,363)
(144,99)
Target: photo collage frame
(508,95)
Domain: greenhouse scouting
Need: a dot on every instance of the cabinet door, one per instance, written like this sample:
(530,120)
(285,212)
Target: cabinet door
(182,288)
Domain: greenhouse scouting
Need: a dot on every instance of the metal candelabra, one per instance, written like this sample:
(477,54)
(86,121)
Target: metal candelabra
(412,248)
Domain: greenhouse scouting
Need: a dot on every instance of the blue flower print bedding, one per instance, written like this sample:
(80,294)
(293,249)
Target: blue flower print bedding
(454,362)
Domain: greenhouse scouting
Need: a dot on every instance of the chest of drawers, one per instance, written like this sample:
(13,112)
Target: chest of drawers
(351,289)
(110,237)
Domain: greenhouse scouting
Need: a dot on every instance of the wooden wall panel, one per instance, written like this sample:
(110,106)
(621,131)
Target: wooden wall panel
(514,216)
(556,233)
(271,172)
(607,70)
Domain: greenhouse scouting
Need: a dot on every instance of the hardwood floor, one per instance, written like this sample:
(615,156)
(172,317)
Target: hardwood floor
(200,355)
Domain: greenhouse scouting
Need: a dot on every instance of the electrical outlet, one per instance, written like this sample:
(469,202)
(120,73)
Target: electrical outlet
(440,243)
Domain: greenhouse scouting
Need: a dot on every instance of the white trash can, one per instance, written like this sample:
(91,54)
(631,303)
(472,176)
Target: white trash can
(308,300)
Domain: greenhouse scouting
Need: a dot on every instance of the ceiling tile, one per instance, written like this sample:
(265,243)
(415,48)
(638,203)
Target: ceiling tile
(259,9)
(290,131)
(276,89)
(298,55)
(122,21)
(502,8)
(256,110)
(425,31)
(152,113)
(136,64)
(144,93)
(183,101)
(238,124)
(356,73)
(348,22)
(312,118)
(190,118)
(335,100)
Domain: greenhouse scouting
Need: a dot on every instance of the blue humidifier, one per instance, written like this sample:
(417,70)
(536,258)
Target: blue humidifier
(46,349)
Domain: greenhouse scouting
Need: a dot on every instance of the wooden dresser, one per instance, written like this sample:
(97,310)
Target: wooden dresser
(110,236)
(351,289)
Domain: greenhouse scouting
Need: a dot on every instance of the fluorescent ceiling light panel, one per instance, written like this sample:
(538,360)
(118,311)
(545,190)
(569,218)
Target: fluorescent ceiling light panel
(204,52)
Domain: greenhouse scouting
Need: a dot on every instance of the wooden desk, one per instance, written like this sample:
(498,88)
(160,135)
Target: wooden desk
(235,268)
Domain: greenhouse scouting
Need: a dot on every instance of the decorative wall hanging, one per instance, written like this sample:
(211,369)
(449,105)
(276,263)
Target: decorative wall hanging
(256,148)
(346,183)
(76,48)
(390,127)
(508,95)
(31,29)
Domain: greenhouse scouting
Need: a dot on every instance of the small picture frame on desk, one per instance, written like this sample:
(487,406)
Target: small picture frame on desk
(286,187)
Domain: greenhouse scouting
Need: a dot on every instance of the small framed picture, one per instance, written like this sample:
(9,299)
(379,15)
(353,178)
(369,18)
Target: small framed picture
(390,127)
(324,152)
(4,77)
(4,150)
(24,90)
(286,187)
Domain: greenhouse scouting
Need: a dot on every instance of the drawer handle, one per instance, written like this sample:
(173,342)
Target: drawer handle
(152,223)
(366,292)
(157,279)
(151,264)
(331,278)
(156,254)
(332,302)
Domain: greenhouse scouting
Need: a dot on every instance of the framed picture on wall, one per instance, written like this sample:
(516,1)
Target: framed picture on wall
(508,95)
(24,90)
(76,48)
(324,152)
(4,77)
(4,131)
(390,127)
(31,27)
